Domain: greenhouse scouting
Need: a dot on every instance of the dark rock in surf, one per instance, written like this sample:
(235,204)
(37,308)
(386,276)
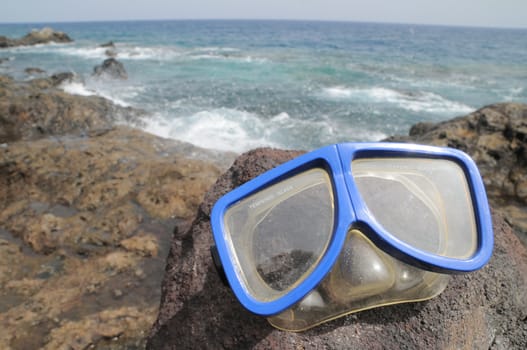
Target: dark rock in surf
(108,44)
(43,36)
(37,108)
(111,68)
(34,71)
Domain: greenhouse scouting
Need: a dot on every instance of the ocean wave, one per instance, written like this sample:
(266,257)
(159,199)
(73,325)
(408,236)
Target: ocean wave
(77,88)
(224,56)
(160,53)
(84,52)
(412,101)
(219,129)
(513,93)
(128,52)
(109,93)
(37,48)
(227,129)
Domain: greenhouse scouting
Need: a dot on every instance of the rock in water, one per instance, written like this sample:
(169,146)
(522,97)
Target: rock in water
(109,44)
(480,310)
(34,70)
(111,68)
(44,36)
(36,109)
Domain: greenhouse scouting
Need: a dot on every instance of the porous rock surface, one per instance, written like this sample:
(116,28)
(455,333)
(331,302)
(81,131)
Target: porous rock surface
(486,309)
(87,209)
(495,137)
(38,108)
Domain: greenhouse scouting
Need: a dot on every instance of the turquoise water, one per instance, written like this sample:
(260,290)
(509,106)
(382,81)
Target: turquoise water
(235,85)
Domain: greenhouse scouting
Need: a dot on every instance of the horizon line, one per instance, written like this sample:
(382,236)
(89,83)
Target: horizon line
(261,20)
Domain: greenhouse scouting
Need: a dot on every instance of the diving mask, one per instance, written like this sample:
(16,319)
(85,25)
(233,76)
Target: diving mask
(350,227)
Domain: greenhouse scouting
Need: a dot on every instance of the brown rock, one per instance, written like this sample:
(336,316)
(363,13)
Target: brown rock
(75,226)
(145,245)
(37,109)
(496,138)
(481,310)
(43,36)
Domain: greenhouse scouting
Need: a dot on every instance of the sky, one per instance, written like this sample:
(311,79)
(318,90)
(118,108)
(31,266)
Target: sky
(482,13)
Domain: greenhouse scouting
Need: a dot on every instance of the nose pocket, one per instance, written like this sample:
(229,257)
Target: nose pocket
(362,270)
(363,277)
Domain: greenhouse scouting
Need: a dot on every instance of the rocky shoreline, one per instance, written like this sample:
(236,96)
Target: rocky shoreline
(100,221)
(87,210)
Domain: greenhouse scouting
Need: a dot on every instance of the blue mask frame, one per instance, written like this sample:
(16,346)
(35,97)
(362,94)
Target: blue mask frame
(351,211)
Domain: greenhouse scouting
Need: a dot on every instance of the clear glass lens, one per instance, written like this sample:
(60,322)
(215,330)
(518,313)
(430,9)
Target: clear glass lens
(363,277)
(277,236)
(425,203)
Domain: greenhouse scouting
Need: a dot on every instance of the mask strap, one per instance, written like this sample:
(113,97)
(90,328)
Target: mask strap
(218,265)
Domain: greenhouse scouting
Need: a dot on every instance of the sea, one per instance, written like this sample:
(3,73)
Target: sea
(233,85)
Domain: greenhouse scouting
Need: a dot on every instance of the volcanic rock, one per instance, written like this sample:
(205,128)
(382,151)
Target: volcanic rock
(87,210)
(35,109)
(496,138)
(111,68)
(43,36)
(34,70)
(481,310)
(81,217)
(109,44)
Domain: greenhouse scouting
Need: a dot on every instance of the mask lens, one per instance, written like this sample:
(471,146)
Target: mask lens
(425,203)
(277,236)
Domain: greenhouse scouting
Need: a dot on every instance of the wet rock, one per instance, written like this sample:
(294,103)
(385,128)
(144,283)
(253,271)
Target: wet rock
(496,138)
(112,69)
(38,108)
(110,53)
(43,36)
(34,70)
(5,42)
(481,310)
(60,78)
(108,44)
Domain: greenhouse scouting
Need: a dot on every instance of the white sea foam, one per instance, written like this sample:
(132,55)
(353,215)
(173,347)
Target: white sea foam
(238,131)
(159,53)
(220,129)
(123,51)
(84,52)
(162,53)
(415,102)
(513,93)
(77,88)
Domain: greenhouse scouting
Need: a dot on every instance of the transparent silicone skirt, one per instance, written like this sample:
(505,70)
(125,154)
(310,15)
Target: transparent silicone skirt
(363,277)
(350,228)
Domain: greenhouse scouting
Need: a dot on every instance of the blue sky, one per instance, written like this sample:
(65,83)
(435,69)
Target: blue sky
(488,13)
